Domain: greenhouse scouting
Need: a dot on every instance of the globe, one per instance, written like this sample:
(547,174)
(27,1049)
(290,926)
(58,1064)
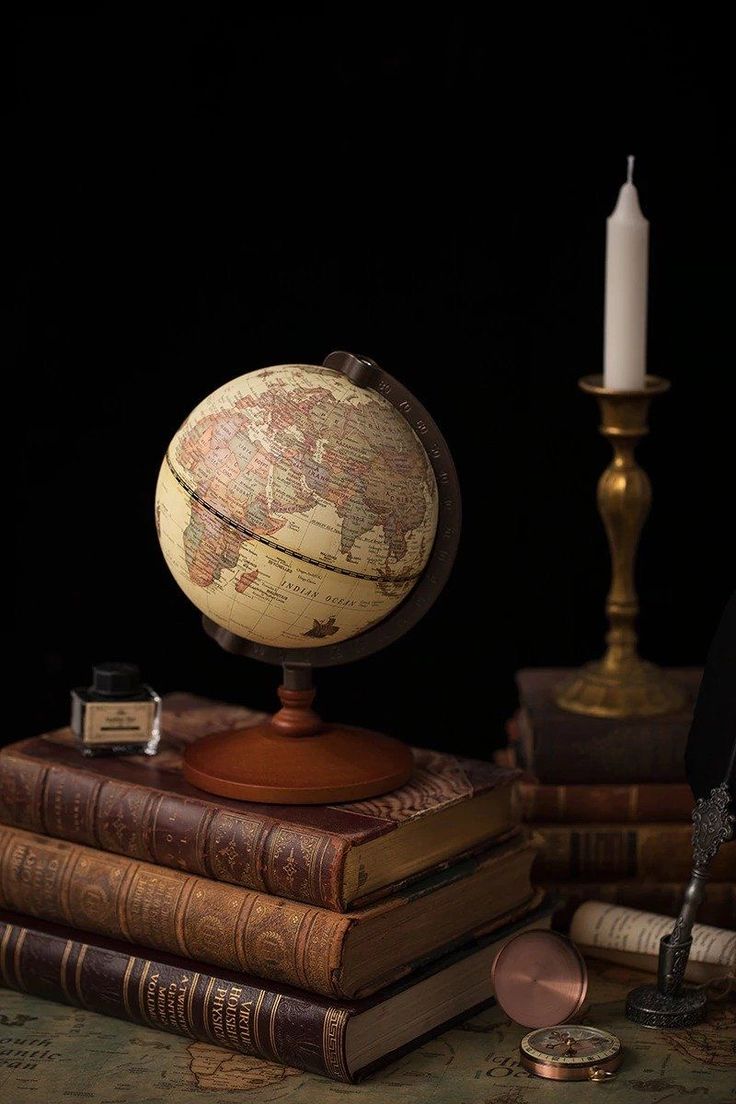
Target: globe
(295,508)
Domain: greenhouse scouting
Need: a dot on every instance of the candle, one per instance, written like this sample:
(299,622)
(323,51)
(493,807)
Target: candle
(627,263)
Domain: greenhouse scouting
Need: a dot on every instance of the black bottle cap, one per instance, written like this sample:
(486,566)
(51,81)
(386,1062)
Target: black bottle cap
(116,678)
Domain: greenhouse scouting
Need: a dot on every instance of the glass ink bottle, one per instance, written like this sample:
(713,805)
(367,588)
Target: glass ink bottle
(118,714)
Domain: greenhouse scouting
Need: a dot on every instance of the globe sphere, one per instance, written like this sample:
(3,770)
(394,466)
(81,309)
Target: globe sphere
(294,508)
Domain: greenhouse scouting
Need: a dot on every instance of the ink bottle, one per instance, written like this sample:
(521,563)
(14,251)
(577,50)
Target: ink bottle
(118,714)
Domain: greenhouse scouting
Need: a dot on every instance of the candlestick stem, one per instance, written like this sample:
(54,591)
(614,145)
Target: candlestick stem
(621,684)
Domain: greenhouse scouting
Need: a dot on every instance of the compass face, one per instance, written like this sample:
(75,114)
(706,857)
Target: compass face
(570,1052)
(571,1044)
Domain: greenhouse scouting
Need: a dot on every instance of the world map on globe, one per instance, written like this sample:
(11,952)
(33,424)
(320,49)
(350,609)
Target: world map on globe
(294,508)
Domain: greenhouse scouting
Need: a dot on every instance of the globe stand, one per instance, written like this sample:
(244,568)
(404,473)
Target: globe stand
(294,757)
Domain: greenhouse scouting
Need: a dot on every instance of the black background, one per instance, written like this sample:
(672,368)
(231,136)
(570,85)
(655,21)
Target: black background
(198,197)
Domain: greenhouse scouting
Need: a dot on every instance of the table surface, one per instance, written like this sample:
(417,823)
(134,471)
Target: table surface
(49,1051)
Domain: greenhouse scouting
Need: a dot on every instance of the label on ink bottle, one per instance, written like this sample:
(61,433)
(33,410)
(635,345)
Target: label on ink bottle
(118,722)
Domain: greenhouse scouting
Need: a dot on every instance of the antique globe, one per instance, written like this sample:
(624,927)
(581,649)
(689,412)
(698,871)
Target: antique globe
(297,508)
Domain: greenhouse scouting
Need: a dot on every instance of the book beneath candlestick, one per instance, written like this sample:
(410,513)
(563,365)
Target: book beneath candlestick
(610,804)
(558,747)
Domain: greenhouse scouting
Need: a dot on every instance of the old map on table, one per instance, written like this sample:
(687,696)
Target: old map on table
(49,1052)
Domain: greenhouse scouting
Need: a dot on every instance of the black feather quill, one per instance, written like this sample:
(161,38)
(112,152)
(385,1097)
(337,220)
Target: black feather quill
(711,745)
(709,761)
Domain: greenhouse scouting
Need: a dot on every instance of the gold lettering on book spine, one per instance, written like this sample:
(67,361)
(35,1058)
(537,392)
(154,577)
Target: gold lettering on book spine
(151,908)
(33,871)
(167,996)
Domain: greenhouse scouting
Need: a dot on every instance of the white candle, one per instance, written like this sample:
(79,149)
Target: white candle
(627,265)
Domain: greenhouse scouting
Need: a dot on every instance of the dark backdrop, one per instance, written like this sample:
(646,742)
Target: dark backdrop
(198,197)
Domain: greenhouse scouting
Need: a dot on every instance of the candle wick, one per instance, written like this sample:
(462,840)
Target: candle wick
(630,169)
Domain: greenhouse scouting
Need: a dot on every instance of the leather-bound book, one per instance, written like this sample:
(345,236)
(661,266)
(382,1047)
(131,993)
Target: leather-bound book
(718,908)
(559,747)
(603,852)
(337,857)
(635,803)
(336,954)
(341,1040)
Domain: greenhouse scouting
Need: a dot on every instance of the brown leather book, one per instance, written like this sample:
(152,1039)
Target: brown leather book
(336,856)
(610,803)
(718,908)
(344,1040)
(607,851)
(342,955)
(559,747)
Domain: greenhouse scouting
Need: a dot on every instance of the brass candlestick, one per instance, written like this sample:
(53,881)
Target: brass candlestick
(621,684)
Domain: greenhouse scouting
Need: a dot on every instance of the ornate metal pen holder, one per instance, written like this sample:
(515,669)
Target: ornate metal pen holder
(670,1004)
(621,684)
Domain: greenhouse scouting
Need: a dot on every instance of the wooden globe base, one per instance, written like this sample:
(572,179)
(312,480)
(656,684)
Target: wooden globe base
(296,759)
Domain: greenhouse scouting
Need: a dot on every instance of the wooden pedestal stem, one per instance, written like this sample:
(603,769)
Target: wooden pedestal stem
(294,758)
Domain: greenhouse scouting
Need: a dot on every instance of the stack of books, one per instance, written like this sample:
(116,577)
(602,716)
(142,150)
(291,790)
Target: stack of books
(610,801)
(325,937)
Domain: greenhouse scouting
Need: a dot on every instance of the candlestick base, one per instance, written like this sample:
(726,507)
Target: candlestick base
(634,689)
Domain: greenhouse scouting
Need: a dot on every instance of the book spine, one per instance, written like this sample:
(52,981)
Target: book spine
(246,849)
(718,908)
(625,804)
(568,751)
(227,926)
(607,851)
(201,1006)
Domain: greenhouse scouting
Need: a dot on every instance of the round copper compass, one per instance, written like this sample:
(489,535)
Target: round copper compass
(540,981)
(571,1053)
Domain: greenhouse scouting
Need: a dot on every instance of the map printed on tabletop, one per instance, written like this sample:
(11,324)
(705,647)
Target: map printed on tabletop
(96,1060)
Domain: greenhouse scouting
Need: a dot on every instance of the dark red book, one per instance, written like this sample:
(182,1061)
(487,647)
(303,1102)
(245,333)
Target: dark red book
(343,1040)
(333,856)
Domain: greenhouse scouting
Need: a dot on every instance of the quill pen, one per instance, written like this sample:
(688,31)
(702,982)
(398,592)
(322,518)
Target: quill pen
(709,762)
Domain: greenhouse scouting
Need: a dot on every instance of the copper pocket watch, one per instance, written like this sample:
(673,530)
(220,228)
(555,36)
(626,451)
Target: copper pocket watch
(540,981)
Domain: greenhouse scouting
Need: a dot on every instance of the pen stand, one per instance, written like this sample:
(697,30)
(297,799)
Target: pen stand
(669,1003)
